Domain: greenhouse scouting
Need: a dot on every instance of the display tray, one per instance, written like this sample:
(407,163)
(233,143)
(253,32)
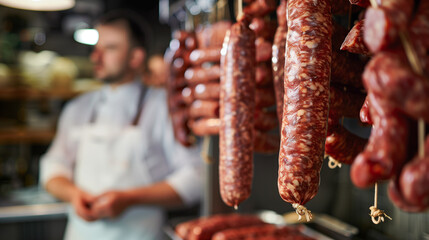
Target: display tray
(266,216)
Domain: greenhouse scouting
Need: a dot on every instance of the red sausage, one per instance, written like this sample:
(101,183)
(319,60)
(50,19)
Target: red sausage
(306,111)
(389,75)
(264,97)
(265,121)
(354,41)
(263,28)
(187,95)
(211,36)
(345,103)
(255,232)
(278,65)
(362,3)
(343,145)
(207,91)
(260,8)
(197,75)
(383,24)
(181,131)
(364,114)
(263,50)
(414,180)
(266,142)
(281,14)
(386,151)
(398,199)
(200,56)
(419,34)
(264,74)
(205,126)
(204,108)
(346,68)
(237,103)
(206,227)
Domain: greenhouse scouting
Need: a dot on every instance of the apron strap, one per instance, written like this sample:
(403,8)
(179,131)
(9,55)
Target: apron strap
(143,91)
(136,119)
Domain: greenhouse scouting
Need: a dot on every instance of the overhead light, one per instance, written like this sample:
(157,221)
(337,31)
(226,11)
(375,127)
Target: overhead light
(39,5)
(86,36)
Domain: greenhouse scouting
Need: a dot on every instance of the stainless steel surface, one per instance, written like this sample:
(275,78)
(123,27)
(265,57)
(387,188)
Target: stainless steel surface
(33,212)
(336,225)
(31,204)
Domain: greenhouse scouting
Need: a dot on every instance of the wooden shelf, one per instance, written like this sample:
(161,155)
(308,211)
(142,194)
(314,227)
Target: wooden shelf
(24,135)
(14,93)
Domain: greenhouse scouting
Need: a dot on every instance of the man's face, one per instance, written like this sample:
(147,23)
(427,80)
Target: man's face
(111,53)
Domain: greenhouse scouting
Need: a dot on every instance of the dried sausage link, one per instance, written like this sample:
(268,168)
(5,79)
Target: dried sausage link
(354,41)
(266,142)
(383,24)
(205,126)
(344,103)
(305,112)
(389,75)
(204,108)
(237,104)
(343,145)
(200,56)
(197,75)
(260,8)
(207,91)
(386,151)
(278,65)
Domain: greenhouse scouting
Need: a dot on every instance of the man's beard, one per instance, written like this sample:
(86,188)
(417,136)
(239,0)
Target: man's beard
(114,78)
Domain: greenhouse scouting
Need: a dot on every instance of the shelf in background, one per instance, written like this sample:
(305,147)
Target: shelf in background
(13,93)
(25,135)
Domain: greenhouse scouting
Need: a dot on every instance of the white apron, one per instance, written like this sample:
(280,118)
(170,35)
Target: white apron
(110,158)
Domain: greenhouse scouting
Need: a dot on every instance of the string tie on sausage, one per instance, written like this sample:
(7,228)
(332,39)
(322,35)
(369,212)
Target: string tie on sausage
(302,211)
(333,163)
(377,215)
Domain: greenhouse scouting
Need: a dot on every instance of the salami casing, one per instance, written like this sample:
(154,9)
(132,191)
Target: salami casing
(354,42)
(305,112)
(386,151)
(389,75)
(278,64)
(383,24)
(237,103)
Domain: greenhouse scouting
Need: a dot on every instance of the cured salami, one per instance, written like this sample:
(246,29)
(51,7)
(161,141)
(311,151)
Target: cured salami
(207,91)
(278,58)
(414,180)
(237,104)
(205,126)
(382,24)
(260,8)
(204,108)
(386,151)
(389,75)
(342,145)
(200,56)
(266,142)
(354,42)
(197,75)
(305,112)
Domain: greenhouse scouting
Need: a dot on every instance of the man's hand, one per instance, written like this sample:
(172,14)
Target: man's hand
(82,203)
(110,204)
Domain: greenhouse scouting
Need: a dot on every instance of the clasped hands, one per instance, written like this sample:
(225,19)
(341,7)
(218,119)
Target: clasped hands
(107,205)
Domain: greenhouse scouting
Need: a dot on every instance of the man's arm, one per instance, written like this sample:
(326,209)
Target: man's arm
(62,188)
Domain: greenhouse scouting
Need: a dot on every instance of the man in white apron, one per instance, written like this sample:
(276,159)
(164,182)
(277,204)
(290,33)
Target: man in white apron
(114,157)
